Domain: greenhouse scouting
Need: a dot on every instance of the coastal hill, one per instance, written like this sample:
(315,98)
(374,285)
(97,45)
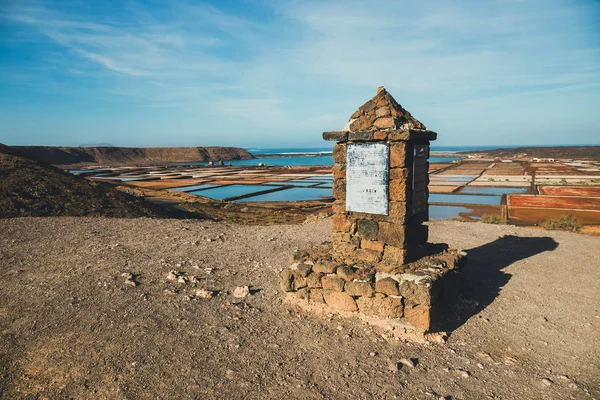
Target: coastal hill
(32,188)
(557,152)
(69,156)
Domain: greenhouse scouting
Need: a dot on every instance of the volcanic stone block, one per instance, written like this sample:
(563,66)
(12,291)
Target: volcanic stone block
(359,288)
(419,316)
(339,153)
(398,173)
(367,255)
(366,229)
(339,189)
(330,282)
(340,301)
(325,266)
(380,135)
(337,136)
(394,255)
(383,112)
(346,273)
(398,155)
(360,136)
(314,280)
(392,234)
(364,274)
(339,171)
(340,223)
(387,286)
(316,296)
(384,123)
(345,251)
(399,210)
(363,123)
(372,245)
(304,269)
(397,190)
(339,207)
(420,293)
(341,237)
(381,306)
(291,280)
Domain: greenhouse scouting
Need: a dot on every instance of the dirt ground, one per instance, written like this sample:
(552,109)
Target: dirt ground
(71,326)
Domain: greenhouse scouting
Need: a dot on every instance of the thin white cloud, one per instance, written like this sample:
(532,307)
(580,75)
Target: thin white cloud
(303,66)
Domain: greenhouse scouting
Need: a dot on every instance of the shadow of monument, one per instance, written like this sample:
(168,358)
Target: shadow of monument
(483,277)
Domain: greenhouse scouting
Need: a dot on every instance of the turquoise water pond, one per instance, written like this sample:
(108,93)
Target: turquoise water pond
(463,199)
(447,212)
(227,191)
(493,190)
(292,194)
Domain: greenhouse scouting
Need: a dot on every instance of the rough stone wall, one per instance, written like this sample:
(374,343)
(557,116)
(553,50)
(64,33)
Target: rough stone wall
(415,294)
(386,240)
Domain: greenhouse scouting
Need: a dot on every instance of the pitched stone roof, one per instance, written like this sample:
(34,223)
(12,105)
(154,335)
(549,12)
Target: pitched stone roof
(382,112)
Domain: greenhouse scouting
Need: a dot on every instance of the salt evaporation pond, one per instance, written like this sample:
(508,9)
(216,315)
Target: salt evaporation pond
(227,191)
(194,187)
(493,190)
(463,199)
(292,194)
(448,212)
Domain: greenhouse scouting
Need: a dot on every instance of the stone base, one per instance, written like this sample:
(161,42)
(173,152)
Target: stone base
(415,294)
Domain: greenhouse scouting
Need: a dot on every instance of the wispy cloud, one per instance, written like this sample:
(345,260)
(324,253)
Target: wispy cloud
(302,65)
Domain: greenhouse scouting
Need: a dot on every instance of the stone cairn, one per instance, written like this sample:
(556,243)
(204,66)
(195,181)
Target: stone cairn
(379,262)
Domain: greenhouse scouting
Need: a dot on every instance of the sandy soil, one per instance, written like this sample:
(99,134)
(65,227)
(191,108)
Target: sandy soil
(72,327)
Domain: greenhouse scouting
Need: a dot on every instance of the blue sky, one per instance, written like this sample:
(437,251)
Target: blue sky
(278,73)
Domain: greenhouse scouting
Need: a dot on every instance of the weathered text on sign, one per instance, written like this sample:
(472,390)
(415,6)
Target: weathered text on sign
(367,167)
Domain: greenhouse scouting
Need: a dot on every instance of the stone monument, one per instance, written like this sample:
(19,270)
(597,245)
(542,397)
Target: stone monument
(379,262)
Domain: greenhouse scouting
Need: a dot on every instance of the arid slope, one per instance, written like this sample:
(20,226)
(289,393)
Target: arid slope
(31,188)
(131,155)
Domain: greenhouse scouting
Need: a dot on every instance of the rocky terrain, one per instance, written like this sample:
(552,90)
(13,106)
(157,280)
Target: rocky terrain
(69,156)
(155,308)
(31,188)
(557,152)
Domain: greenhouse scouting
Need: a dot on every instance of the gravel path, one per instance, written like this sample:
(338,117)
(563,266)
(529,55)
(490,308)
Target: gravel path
(72,324)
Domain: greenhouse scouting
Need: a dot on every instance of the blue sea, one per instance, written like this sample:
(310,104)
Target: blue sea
(309,156)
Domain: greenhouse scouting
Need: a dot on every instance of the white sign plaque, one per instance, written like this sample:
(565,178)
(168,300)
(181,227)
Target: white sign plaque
(367,167)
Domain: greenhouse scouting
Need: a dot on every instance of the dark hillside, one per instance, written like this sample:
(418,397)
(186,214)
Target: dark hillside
(31,188)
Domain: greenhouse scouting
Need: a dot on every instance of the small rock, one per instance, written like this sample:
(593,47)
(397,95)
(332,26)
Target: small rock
(372,354)
(182,279)
(208,270)
(463,373)
(547,382)
(241,291)
(130,282)
(172,275)
(203,294)
(394,366)
(409,362)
